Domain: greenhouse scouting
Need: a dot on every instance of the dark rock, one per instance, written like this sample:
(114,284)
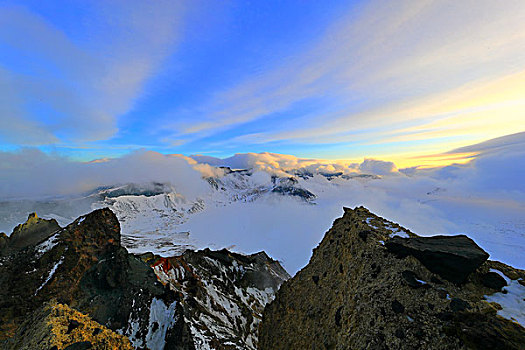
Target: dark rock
(399,333)
(338,316)
(481,331)
(493,280)
(397,307)
(72,325)
(445,316)
(451,257)
(83,345)
(363,235)
(294,191)
(435,280)
(411,279)
(457,304)
(443,294)
(32,232)
(315,279)
(376,269)
(94,274)
(3,241)
(192,274)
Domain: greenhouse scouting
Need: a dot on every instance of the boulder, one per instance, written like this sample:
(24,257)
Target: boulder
(493,280)
(452,257)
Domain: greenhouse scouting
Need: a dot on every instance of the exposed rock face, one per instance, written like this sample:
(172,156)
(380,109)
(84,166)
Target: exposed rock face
(223,294)
(204,298)
(3,241)
(356,294)
(34,230)
(58,326)
(452,257)
(84,266)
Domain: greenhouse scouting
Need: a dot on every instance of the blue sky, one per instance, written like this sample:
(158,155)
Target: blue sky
(337,80)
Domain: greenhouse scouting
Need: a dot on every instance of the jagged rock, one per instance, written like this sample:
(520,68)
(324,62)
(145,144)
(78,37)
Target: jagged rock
(85,267)
(341,301)
(31,232)
(451,257)
(223,294)
(3,241)
(213,298)
(294,191)
(51,327)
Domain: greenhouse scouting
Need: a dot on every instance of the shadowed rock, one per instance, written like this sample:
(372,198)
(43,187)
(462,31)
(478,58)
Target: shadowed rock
(355,294)
(493,280)
(451,257)
(3,240)
(33,231)
(204,298)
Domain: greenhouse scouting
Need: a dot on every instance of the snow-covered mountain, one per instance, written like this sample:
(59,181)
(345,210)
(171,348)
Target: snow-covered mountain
(152,215)
(281,205)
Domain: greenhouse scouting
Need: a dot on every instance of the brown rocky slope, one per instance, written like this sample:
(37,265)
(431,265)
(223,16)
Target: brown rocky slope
(372,284)
(50,276)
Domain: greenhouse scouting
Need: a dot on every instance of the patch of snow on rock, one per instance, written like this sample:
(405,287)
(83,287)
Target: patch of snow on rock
(46,245)
(164,318)
(51,273)
(512,302)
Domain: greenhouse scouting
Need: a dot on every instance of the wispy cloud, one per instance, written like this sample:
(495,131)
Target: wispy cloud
(428,69)
(55,88)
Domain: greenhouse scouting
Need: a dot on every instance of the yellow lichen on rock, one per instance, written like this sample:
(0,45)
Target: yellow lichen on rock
(57,326)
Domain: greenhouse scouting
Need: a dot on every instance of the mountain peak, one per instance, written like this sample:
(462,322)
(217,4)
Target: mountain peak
(31,232)
(357,292)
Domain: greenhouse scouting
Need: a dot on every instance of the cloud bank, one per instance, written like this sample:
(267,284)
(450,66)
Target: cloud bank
(484,198)
(32,174)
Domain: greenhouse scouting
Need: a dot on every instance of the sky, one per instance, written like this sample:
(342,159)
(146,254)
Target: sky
(404,81)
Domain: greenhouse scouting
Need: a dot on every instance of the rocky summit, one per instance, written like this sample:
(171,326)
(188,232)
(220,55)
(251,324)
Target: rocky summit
(78,288)
(372,284)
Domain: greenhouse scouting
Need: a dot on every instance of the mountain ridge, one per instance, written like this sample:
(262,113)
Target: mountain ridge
(84,267)
(358,293)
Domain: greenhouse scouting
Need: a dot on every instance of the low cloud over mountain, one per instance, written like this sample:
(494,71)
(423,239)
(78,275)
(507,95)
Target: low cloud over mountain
(255,209)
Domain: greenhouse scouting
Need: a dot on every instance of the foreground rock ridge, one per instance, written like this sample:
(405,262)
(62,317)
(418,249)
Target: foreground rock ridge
(78,288)
(372,284)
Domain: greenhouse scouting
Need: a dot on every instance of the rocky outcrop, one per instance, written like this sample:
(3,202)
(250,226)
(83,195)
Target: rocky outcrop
(57,326)
(372,284)
(3,241)
(85,267)
(31,232)
(452,257)
(197,299)
(223,294)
